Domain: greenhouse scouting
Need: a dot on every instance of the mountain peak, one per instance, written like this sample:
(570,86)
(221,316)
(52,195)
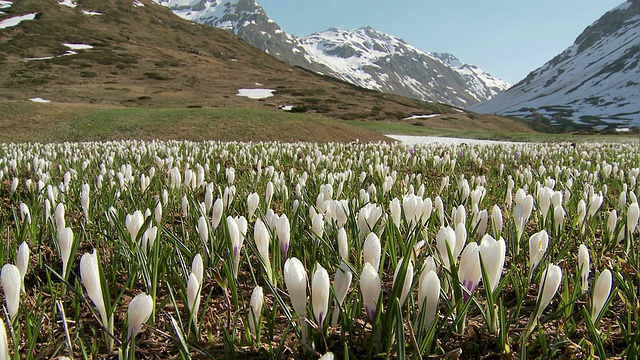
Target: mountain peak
(365,56)
(592,84)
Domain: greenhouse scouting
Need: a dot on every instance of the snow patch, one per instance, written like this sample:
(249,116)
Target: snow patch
(5,4)
(425,140)
(421,116)
(256,93)
(75,46)
(13,21)
(287,107)
(91,13)
(39,100)
(70,3)
(138,4)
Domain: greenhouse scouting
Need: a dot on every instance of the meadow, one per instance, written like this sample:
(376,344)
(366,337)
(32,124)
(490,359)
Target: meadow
(178,249)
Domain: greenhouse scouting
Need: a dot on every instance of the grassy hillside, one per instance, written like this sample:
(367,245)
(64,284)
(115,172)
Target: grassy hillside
(148,58)
(74,122)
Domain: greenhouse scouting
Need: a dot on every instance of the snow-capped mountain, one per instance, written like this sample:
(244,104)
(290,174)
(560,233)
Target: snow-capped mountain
(364,57)
(595,82)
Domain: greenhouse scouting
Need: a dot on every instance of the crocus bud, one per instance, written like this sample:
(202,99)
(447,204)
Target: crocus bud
(611,223)
(496,221)
(157,213)
(216,215)
(203,229)
(197,268)
(25,214)
(4,345)
(582,211)
(133,223)
(558,215)
(268,193)
(372,250)
(341,284)
(59,216)
(22,262)
(461,239)
(370,288)
(252,204)
(320,295)
(633,214)
(583,267)
(601,293)
(193,297)
(396,211)
(594,203)
(446,235)
(317,225)
(493,254)
(257,299)
(537,247)
(295,278)
(283,229)
(549,285)
(343,244)
(429,292)
(90,275)
(84,200)
(10,277)
(408,279)
(138,313)
(65,241)
(262,239)
(470,271)
(236,243)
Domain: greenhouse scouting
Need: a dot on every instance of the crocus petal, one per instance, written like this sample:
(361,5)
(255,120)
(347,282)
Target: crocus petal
(138,313)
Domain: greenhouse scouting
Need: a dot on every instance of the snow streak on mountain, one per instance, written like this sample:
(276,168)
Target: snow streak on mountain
(364,57)
(594,83)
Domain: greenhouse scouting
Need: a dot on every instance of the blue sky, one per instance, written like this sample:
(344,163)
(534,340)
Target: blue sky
(507,38)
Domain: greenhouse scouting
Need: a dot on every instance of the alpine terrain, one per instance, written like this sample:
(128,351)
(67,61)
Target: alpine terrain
(364,57)
(594,83)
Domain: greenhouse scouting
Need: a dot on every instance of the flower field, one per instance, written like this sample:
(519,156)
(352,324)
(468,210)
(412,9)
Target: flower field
(157,250)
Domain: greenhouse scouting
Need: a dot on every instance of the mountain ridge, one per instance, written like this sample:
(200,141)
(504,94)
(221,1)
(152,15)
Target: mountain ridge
(409,74)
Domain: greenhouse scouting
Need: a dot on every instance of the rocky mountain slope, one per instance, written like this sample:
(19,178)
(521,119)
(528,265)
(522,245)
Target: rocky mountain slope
(593,83)
(364,57)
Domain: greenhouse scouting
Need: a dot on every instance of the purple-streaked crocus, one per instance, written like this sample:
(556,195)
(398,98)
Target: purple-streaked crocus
(470,271)
(236,243)
(320,295)
(370,288)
